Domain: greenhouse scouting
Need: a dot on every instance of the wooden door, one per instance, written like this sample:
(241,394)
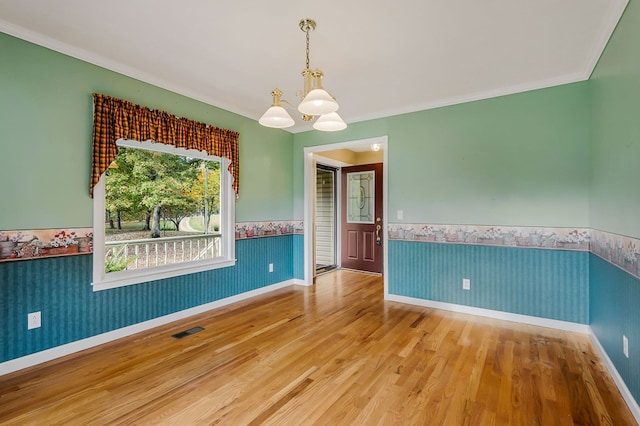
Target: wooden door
(361,218)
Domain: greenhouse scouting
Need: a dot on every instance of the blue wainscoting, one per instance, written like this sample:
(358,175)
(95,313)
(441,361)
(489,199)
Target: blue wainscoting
(551,284)
(61,289)
(615,311)
(298,257)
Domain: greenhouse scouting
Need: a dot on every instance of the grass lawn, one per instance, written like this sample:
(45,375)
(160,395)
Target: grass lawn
(197,223)
(136,226)
(134,230)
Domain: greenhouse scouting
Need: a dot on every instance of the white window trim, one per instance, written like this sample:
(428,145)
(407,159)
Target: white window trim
(104,281)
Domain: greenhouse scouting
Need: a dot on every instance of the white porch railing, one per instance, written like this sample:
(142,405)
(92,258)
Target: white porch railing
(150,252)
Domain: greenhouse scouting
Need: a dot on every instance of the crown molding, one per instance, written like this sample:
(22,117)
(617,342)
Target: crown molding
(111,65)
(615,14)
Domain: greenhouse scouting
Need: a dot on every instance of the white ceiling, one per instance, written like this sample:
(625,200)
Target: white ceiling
(380,58)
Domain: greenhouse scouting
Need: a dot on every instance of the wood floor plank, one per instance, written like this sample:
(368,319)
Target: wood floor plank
(333,354)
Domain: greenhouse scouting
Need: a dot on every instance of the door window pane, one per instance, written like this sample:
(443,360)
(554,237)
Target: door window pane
(360,197)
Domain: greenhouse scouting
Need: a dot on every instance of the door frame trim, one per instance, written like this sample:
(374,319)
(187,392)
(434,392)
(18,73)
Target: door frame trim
(336,210)
(309,198)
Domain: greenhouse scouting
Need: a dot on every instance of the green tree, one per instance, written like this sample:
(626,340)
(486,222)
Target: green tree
(148,184)
(205,190)
(121,195)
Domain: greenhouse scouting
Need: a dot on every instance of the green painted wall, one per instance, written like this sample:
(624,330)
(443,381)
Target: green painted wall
(615,192)
(615,143)
(45,140)
(514,160)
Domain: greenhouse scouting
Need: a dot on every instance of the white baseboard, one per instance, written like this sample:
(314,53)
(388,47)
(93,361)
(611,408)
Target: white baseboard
(507,316)
(297,281)
(622,387)
(80,345)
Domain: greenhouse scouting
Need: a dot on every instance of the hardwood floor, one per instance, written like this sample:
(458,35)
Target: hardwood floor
(332,354)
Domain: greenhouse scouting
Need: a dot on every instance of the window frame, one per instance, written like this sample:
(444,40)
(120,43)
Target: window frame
(104,281)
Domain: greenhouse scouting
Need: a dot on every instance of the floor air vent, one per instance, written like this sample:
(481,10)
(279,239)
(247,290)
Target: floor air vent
(188,332)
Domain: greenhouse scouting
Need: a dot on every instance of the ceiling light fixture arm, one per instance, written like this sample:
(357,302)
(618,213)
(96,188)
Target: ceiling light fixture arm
(305,117)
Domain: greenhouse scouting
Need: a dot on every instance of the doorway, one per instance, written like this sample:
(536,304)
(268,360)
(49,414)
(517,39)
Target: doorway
(326,218)
(361,218)
(311,158)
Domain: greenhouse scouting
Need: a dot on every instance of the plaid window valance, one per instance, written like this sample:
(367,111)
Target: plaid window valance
(115,119)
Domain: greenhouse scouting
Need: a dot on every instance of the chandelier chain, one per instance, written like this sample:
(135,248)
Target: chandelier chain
(307,31)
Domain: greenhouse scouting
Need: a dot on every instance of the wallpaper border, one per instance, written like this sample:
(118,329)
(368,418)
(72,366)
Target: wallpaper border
(619,250)
(34,244)
(246,230)
(30,244)
(494,235)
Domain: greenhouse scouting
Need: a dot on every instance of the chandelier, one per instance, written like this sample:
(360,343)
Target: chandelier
(315,101)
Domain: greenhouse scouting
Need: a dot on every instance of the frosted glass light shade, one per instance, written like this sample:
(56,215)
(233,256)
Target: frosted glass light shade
(330,123)
(318,102)
(276,117)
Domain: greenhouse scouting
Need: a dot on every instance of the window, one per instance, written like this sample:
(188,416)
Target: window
(360,197)
(159,212)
